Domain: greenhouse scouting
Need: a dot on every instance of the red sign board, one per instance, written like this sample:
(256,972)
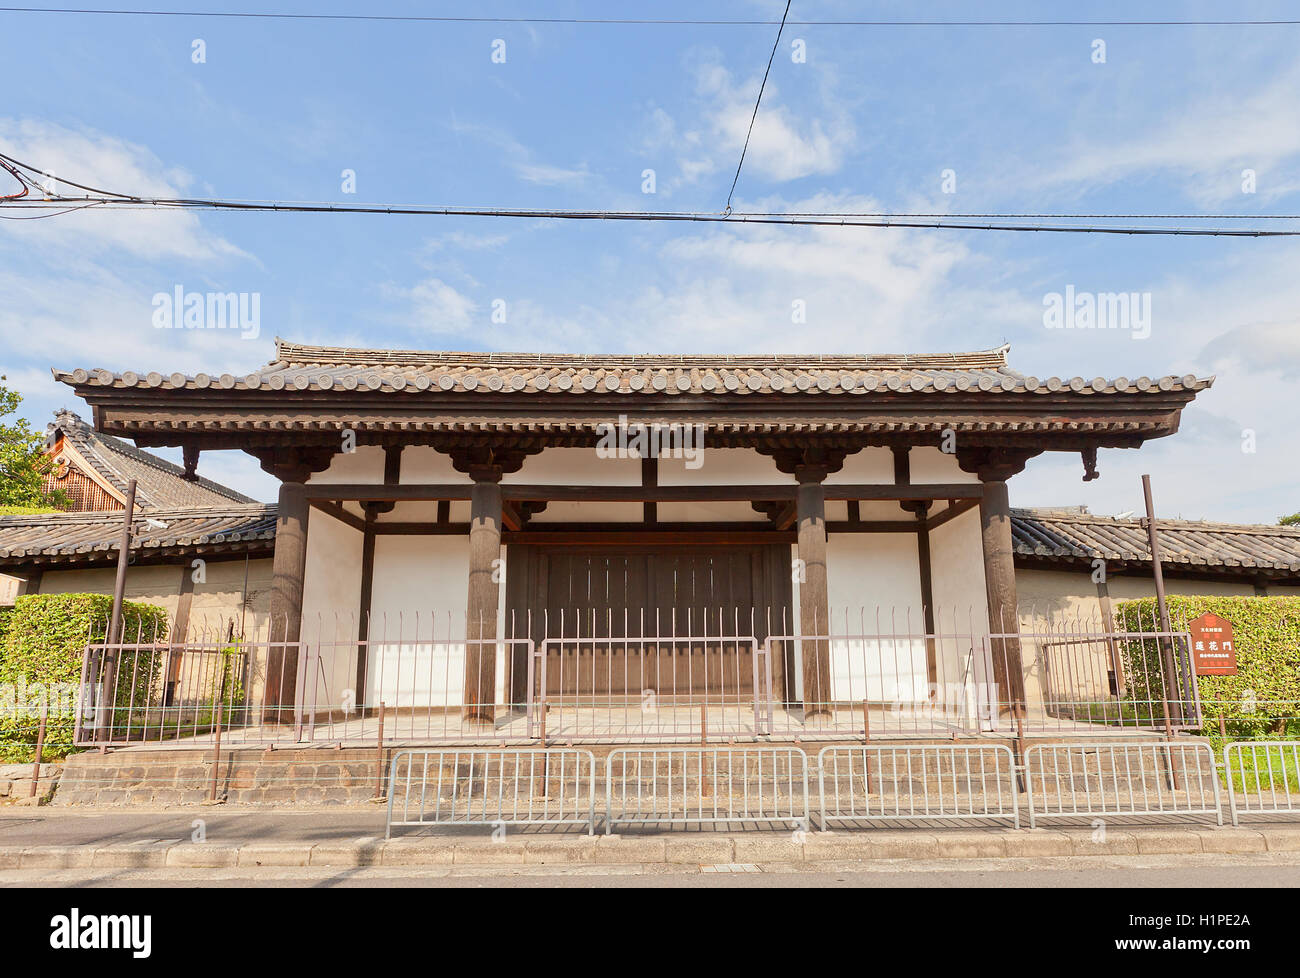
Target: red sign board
(1213,650)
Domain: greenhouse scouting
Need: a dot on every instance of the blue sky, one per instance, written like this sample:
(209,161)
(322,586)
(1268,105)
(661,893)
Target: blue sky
(1024,117)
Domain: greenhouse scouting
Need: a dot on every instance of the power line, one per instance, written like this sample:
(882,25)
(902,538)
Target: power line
(645,21)
(757,102)
(650,217)
(53,205)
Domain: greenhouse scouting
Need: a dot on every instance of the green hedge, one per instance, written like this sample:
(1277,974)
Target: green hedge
(1265,693)
(44,638)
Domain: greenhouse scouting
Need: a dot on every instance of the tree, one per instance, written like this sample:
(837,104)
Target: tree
(1292,520)
(22,464)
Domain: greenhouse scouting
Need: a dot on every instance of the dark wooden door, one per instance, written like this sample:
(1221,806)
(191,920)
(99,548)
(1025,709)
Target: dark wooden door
(630,621)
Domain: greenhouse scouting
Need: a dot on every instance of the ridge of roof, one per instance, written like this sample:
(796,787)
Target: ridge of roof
(302,367)
(305,354)
(96,448)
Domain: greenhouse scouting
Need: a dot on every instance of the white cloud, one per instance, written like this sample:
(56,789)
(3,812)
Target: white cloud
(97,160)
(783,145)
(434,306)
(1207,143)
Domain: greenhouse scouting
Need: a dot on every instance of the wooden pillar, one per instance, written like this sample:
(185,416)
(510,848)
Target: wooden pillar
(288,569)
(1112,646)
(927,600)
(392,477)
(920,508)
(814,601)
(484,596)
(180,632)
(363,607)
(1000,582)
(31,584)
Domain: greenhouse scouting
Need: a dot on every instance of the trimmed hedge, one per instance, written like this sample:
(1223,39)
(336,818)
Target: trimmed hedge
(1265,693)
(44,638)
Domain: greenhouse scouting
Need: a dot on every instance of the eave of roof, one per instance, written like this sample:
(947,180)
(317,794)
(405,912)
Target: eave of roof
(159,483)
(65,537)
(1223,547)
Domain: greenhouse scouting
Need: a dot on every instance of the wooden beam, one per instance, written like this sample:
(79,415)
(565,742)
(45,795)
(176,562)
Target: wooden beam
(362,492)
(656,537)
(510,518)
(954,509)
(662,494)
(340,514)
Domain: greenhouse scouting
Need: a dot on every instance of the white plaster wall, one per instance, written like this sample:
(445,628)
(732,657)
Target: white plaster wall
(698,512)
(422,465)
(215,603)
(418,607)
(871,466)
(724,467)
(1070,596)
(928,464)
(961,615)
(571,512)
(365,465)
(874,588)
(957,576)
(330,606)
(576,467)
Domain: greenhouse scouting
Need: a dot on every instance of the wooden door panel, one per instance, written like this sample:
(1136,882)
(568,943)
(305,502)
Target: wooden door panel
(677,598)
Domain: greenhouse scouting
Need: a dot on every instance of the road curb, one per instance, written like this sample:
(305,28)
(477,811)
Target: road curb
(665,850)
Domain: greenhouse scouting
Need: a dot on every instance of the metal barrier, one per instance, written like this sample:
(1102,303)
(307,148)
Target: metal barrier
(913,783)
(546,787)
(1131,778)
(1269,776)
(706,786)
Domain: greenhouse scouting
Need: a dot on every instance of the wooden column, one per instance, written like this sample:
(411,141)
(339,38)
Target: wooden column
(1000,583)
(1108,619)
(920,508)
(927,600)
(484,595)
(179,633)
(392,477)
(814,602)
(288,569)
(363,606)
(293,465)
(31,584)
(995,466)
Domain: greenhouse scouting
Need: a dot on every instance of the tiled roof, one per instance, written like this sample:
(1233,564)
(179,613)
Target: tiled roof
(159,483)
(86,536)
(301,367)
(1221,547)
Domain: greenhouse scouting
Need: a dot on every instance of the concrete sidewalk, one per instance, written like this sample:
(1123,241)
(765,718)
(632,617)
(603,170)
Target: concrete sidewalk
(53,840)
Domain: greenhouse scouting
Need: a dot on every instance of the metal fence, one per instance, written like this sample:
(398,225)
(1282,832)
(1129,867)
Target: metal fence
(697,786)
(1177,778)
(1263,778)
(716,675)
(545,788)
(918,783)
